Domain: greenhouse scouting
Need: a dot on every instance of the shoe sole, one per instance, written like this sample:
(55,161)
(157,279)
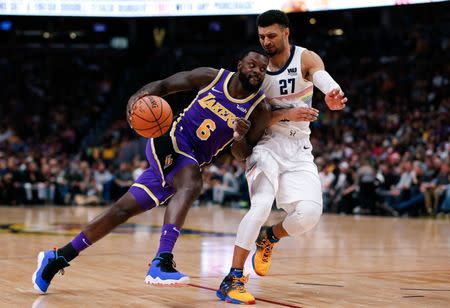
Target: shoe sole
(158,282)
(40,257)
(226,298)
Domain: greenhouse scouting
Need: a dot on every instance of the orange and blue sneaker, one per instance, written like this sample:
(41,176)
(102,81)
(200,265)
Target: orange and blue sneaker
(162,272)
(232,290)
(262,258)
(48,264)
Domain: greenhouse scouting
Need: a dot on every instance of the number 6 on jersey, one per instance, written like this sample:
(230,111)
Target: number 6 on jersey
(205,129)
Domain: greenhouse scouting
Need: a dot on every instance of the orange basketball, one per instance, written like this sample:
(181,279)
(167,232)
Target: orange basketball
(151,116)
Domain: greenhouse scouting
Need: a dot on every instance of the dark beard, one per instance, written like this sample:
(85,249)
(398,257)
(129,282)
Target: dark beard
(270,55)
(247,85)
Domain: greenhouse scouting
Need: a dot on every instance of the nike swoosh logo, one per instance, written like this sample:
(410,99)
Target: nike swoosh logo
(176,230)
(306,148)
(84,241)
(216,90)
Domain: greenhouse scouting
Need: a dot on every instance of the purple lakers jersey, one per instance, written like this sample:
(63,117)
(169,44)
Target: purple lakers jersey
(206,126)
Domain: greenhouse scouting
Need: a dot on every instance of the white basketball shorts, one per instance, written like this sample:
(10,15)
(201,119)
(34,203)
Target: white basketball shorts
(289,164)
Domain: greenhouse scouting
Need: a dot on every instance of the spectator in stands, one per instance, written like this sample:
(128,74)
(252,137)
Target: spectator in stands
(228,187)
(103,181)
(140,166)
(398,120)
(345,190)
(123,179)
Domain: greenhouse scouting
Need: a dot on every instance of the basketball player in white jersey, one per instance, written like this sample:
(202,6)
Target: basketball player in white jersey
(281,166)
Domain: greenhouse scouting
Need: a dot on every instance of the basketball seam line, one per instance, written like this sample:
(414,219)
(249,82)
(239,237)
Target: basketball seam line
(162,107)
(154,116)
(152,127)
(161,111)
(166,118)
(134,114)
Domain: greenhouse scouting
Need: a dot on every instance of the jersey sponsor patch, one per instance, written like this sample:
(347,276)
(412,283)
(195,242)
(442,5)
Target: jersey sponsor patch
(292,71)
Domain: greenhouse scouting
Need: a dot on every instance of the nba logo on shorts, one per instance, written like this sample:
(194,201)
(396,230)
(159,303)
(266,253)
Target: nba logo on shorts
(168,161)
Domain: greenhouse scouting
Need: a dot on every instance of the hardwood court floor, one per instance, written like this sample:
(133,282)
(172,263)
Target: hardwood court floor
(344,262)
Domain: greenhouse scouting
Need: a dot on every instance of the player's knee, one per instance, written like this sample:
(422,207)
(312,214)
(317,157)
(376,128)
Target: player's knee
(191,190)
(306,216)
(262,201)
(310,212)
(122,211)
(120,215)
(197,188)
(258,213)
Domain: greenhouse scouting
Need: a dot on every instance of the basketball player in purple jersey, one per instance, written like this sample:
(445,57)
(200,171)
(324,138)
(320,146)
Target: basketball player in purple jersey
(229,109)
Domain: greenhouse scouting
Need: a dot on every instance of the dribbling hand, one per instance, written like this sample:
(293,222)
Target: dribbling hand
(130,106)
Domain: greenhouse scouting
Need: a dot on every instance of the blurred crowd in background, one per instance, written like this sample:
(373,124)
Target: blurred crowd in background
(64,140)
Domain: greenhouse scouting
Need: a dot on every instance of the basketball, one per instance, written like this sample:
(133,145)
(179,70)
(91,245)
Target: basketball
(151,116)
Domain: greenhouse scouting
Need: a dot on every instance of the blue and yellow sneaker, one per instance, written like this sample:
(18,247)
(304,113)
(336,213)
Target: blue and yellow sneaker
(162,272)
(232,290)
(48,264)
(262,258)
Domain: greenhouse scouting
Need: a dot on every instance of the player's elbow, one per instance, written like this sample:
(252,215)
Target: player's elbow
(163,87)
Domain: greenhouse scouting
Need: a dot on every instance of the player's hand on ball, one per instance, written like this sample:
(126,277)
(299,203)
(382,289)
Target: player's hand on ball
(241,127)
(336,99)
(130,106)
(299,114)
(129,111)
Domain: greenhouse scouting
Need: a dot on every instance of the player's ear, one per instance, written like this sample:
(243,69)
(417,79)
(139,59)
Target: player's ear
(239,65)
(286,31)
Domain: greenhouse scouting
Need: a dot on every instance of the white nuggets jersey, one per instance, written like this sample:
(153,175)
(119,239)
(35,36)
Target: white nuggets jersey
(284,153)
(287,88)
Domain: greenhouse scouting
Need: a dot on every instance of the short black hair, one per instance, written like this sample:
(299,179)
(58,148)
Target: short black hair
(271,17)
(248,50)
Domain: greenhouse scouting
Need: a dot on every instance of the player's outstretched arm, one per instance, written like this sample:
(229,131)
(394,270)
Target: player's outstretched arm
(295,114)
(259,120)
(183,81)
(314,70)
